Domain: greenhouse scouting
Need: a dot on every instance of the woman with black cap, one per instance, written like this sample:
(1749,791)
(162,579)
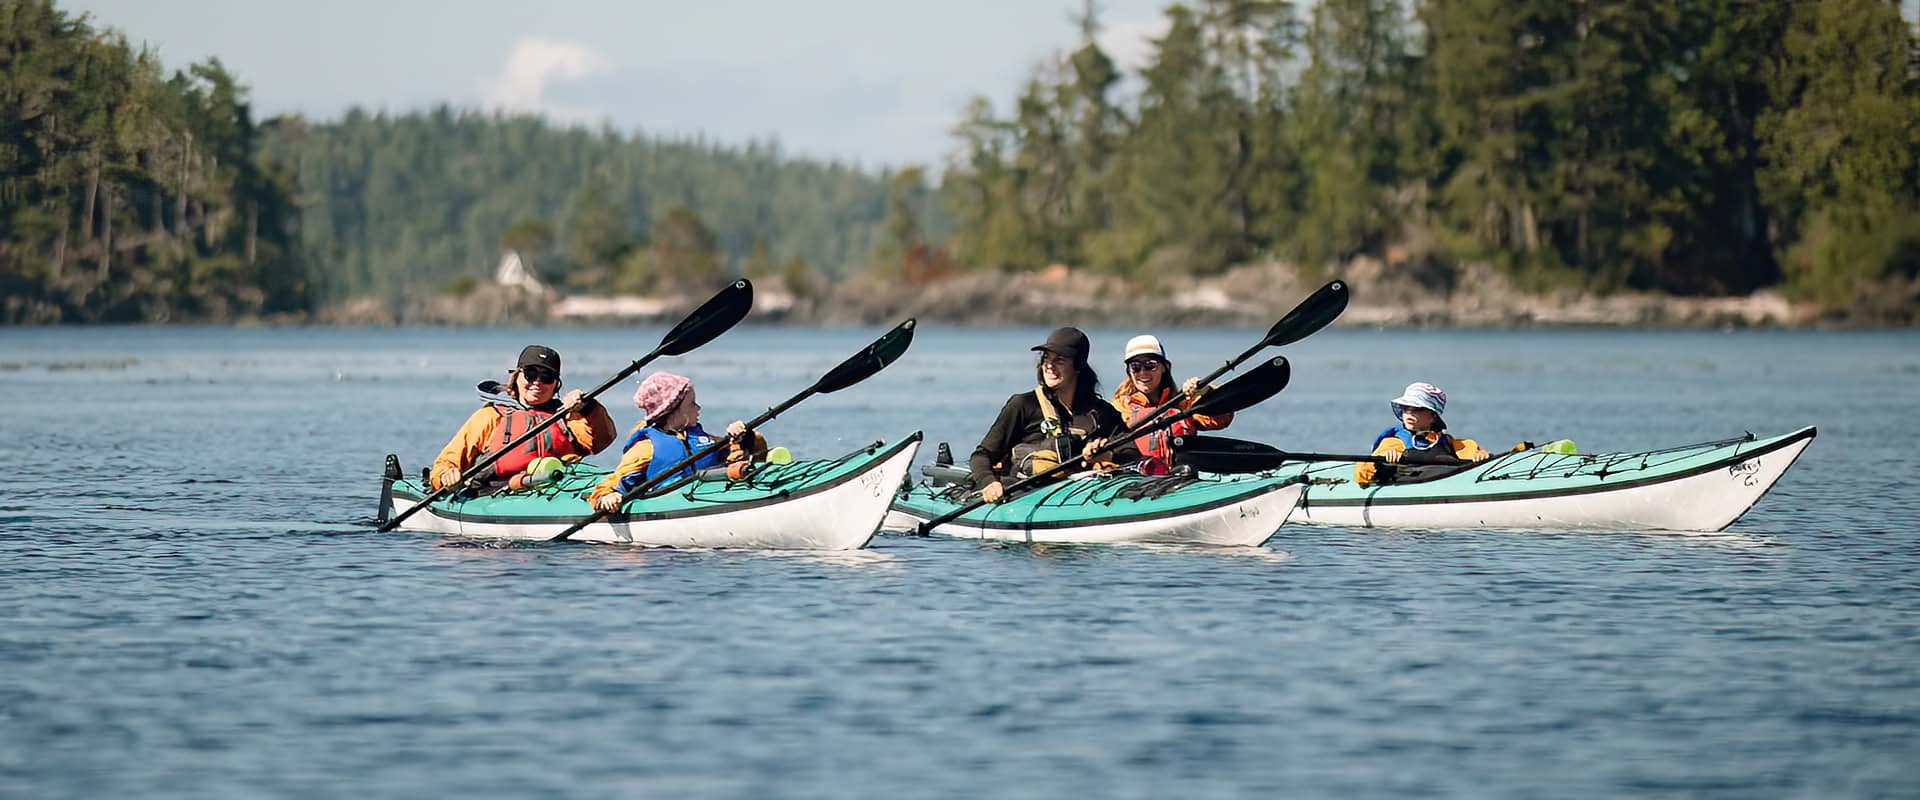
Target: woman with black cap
(1062,417)
(525,402)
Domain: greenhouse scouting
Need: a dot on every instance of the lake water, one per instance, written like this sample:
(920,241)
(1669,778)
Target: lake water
(193,602)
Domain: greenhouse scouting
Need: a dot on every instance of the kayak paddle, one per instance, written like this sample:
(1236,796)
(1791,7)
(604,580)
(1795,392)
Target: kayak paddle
(1222,454)
(1312,314)
(1255,386)
(858,367)
(714,317)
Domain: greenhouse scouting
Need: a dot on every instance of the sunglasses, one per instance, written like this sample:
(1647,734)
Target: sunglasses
(539,375)
(1143,365)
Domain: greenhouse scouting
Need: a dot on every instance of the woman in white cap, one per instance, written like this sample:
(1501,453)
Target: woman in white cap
(1061,418)
(669,432)
(1148,384)
(526,401)
(1421,430)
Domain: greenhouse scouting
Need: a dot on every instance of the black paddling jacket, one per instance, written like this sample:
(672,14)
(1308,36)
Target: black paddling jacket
(1020,423)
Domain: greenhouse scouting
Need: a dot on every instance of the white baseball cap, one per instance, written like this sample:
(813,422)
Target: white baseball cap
(1144,345)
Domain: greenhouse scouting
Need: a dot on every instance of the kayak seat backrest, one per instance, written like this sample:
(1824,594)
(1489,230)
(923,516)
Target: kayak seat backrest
(947,474)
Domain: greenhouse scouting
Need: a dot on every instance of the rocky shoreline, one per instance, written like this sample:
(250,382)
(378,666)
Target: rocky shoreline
(1471,297)
(1258,295)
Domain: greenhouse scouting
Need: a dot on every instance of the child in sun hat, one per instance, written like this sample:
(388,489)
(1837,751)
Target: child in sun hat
(669,431)
(1420,430)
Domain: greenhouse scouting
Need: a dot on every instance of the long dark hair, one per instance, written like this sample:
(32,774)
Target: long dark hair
(1086,387)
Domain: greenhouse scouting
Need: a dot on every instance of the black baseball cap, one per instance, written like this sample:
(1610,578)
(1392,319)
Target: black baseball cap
(1067,343)
(539,356)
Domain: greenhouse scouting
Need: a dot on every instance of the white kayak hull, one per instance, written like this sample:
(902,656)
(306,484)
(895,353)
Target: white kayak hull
(841,514)
(1244,521)
(1708,494)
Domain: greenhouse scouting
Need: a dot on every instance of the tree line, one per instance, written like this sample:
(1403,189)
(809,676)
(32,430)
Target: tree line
(1695,147)
(127,193)
(130,194)
(394,205)
(1690,146)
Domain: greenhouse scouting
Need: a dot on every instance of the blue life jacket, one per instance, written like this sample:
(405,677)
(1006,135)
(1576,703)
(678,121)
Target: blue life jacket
(669,450)
(1442,444)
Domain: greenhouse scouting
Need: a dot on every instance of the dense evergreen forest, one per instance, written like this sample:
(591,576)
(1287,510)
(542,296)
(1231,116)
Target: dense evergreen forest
(129,194)
(395,204)
(1685,146)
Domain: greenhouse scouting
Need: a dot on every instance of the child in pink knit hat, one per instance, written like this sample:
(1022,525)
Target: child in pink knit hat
(668,433)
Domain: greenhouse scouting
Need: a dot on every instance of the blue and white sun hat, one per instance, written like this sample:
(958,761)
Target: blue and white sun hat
(1422,395)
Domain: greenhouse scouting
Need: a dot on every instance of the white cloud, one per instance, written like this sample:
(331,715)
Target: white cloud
(535,64)
(1129,42)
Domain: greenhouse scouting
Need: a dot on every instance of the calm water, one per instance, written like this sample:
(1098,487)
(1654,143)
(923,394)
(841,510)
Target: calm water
(193,603)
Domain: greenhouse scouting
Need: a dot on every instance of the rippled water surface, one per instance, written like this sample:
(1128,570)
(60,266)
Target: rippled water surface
(193,602)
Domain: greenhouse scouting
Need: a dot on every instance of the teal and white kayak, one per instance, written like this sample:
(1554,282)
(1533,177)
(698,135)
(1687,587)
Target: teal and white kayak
(1700,487)
(1112,509)
(832,504)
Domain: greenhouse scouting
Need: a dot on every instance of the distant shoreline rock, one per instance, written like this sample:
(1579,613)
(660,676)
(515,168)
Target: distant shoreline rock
(1475,296)
(1258,295)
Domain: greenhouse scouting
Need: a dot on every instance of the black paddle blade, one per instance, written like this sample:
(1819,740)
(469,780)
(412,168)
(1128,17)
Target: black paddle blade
(1313,313)
(1221,454)
(720,313)
(862,365)
(1252,387)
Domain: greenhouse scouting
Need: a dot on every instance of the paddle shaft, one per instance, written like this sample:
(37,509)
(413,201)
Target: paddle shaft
(688,333)
(1063,467)
(1181,394)
(674,471)
(858,367)
(1312,314)
(1209,453)
(1412,458)
(488,460)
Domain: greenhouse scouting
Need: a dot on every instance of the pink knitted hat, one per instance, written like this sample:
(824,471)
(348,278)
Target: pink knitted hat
(659,393)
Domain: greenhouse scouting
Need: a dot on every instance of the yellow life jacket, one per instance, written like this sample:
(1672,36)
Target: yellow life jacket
(1033,459)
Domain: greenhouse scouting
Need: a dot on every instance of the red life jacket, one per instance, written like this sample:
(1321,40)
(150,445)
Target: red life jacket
(514,423)
(1156,451)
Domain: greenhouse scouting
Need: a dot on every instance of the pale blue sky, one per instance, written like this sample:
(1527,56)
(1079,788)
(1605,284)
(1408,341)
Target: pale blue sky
(880,82)
(877,81)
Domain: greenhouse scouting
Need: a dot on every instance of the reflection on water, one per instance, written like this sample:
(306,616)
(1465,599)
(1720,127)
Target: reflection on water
(864,559)
(1731,539)
(1096,552)
(630,555)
